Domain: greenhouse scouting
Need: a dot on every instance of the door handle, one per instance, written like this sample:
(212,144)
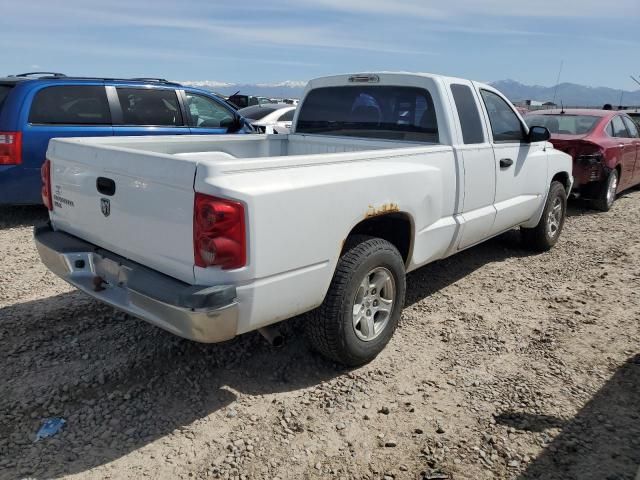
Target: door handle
(505,162)
(106,186)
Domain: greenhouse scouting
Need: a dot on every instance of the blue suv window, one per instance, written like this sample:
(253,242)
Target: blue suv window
(206,113)
(154,107)
(4,92)
(71,105)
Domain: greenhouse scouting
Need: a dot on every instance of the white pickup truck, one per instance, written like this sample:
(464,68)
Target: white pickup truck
(210,237)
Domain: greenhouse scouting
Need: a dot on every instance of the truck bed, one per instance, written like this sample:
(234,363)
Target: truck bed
(155,179)
(217,147)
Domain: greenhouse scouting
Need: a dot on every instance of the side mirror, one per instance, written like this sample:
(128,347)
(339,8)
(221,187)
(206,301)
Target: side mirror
(538,134)
(233,124)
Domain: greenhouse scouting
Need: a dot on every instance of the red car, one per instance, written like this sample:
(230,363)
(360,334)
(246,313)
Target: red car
(604,144)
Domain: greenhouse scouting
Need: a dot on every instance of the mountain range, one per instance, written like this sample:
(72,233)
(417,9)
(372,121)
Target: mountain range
(570,94)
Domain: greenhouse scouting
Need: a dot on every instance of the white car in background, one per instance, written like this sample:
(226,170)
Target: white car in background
(269,117)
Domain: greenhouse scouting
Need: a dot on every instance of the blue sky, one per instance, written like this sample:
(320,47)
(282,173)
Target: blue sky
(275,40)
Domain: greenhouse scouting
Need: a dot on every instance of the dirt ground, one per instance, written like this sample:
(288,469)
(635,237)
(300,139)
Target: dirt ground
(506,365)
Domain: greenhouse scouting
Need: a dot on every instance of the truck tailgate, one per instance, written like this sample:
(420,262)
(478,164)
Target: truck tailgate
(149,216)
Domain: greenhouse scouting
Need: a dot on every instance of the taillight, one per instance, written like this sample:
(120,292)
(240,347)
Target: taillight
(10,148)
(219,236)
(45,175)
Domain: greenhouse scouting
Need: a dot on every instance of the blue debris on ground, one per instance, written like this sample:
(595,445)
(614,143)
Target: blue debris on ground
(50,427)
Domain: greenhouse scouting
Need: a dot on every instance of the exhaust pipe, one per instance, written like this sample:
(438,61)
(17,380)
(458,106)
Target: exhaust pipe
(272,335)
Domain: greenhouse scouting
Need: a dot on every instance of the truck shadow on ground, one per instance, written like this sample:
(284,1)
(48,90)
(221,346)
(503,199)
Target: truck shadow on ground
(602,442)
(434,277)
(12,217)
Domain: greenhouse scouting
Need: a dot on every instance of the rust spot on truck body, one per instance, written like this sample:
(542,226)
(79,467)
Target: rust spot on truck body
(382,209)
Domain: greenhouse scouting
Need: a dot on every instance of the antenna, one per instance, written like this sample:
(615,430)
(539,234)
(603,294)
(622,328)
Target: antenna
(633,78)
(555,90)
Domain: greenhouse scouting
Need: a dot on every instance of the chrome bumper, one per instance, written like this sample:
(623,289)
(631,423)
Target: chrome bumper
(200,313)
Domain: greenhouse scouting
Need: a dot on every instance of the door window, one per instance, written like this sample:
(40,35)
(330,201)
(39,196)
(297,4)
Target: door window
(618,129)
(206,113)
(472,131)
(633,129)
(149,107)
(71,105)
(505,124)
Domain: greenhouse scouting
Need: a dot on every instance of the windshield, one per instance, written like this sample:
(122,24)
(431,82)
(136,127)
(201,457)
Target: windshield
(564,124)
(388,112)
(256,112)
(4,91)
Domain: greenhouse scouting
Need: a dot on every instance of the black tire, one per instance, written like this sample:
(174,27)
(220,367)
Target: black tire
(603,200)
(331,329)
(540,238)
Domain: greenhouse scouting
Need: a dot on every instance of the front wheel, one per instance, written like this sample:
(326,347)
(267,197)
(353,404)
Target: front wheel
(547,232)
(363,305)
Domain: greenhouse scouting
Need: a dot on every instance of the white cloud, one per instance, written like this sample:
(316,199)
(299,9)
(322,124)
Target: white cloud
(500,8)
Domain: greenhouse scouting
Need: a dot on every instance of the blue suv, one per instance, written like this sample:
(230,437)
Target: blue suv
(35,107)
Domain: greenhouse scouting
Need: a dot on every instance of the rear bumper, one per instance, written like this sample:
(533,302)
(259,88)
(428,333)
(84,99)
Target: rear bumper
(199,313)
(587,171)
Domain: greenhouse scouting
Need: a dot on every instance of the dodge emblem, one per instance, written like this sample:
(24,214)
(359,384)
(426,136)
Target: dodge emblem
(105,206)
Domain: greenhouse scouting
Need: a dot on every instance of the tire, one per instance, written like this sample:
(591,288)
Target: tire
(607,193)
(335,329)
(546,233)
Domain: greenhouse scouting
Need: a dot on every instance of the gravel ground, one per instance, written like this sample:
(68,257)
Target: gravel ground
(505,365)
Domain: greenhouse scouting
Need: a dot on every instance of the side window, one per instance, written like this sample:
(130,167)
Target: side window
(287,116)
(206,113)
(472,131)
(619,130)
(631,126)
(152,107)
(71,105)
(505,125)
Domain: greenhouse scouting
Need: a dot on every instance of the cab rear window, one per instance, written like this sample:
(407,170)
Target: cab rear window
(71,105)
(386,112)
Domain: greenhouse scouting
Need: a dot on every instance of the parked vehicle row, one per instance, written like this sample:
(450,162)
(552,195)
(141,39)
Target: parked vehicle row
(604,145)
(37,107)
(210,237)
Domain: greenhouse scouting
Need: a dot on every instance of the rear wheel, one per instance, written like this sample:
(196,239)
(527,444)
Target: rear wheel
(547,232)
(363,305)
(607,194)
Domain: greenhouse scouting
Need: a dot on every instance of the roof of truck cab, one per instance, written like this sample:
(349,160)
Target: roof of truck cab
(432,76)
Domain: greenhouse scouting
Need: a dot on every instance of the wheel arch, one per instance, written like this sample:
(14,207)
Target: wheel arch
(395,227)
(564,178)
